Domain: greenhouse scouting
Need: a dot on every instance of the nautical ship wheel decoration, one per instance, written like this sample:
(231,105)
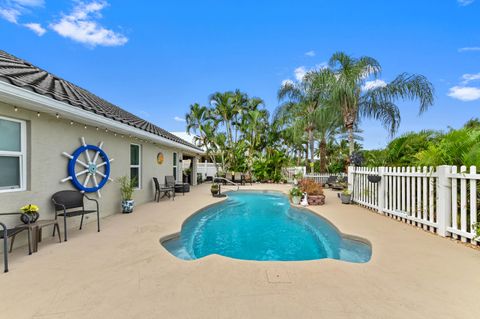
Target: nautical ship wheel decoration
(86,164)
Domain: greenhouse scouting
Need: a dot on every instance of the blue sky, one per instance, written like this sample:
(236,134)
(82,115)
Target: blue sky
(155,58)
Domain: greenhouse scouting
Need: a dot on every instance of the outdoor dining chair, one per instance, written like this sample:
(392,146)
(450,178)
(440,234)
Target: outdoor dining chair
(179,187)
(162,189)
(70,203)
(6,233)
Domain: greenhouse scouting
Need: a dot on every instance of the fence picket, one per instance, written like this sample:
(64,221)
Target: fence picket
(454,203)
(473,202)
(463,203)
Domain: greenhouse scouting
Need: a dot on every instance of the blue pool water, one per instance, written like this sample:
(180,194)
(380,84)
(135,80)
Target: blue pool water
(263,226)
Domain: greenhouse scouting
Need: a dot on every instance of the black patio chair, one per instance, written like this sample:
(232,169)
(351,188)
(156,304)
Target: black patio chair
(71,204)
(159,189)
(6,233)
(332,179)
(179,187)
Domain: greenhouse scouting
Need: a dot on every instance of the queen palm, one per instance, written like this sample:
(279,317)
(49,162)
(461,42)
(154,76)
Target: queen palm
(300,105)
(328,124)
(353,101)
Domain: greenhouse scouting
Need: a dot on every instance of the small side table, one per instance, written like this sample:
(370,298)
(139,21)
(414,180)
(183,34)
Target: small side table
(36,231)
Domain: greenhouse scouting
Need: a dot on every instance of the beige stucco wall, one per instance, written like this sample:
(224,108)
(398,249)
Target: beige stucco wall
(48,137)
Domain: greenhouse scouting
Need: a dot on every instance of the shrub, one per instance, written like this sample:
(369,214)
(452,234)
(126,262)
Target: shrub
(310,187)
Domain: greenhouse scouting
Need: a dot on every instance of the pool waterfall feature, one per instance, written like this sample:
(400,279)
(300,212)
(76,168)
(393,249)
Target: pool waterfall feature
(263,226)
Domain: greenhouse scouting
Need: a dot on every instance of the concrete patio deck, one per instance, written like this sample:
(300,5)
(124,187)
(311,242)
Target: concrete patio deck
(123,272)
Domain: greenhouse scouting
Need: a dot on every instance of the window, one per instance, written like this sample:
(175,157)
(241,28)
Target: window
(13,159)
(175,165)
(135,165)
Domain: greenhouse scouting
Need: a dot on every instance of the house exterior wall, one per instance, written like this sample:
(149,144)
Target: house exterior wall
(48,137)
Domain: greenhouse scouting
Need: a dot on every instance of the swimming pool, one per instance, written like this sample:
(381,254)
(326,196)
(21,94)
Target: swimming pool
(254,225)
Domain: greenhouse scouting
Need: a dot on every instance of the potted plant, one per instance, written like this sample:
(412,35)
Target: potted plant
(346,197)
(314,192)
(215,189)
(127,187)
(296,195)
(29,214)
(374,178)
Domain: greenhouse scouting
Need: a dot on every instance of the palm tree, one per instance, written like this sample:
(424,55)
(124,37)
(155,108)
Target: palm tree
(301,103)
(354,101)
(328,124)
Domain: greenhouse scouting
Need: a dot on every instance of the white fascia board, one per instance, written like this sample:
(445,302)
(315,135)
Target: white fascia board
(23,98)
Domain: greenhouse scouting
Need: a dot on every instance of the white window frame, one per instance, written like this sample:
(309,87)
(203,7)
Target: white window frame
(139,166)
(175,164)
(22,155)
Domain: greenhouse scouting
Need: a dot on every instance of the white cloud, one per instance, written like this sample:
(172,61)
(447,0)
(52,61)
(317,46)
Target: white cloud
(81,25)
(30,3)
(469,49)
(465,2)
(179,119)
(36,27)
(310,53)
(464,93)
(300,73)
(468,77)
(369,85)
(10,14)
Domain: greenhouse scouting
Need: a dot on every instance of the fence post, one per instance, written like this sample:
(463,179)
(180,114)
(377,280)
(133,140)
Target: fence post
(381,190)
(350,178)
(444,199)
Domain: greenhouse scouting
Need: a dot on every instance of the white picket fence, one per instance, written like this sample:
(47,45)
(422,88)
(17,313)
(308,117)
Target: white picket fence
(321,178)
(441,199)
(290,172)
(207,169)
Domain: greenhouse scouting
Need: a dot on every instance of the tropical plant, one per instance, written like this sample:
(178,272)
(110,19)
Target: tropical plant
(295,192)
(354,99)
(457,147)
(303,101)
(127,187)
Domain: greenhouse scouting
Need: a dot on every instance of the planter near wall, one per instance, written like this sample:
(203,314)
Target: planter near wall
(127,206)
(374,178)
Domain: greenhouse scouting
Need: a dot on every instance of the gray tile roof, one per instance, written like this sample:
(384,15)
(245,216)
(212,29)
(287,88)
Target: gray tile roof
(25,75)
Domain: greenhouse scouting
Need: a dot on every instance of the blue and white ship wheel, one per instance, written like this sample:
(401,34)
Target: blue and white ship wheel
(86,164)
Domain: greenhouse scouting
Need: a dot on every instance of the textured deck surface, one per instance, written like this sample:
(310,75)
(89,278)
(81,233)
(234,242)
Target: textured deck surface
(123,272)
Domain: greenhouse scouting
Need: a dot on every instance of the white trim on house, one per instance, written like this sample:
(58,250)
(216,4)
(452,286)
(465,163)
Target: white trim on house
(139,166)
(24,98)
(22,155)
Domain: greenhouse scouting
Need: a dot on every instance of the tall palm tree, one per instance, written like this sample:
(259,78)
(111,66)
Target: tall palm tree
(328,124)
(300,104)
(353,101)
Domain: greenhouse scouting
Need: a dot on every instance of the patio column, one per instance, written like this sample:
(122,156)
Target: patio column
(194,170)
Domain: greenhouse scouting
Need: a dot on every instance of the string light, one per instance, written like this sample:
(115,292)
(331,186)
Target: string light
(96,128)
(106,130)
(71,122)
(38,114)
(15,109)
(57,116)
